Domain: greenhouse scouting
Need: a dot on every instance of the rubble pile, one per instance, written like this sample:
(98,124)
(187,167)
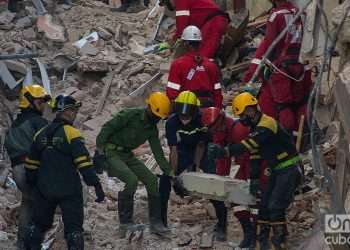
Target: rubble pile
(97,56)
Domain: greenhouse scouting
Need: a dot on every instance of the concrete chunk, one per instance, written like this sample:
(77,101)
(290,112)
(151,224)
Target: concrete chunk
(218,187)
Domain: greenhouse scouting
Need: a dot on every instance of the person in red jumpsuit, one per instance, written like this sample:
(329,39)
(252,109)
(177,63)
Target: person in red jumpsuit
(204,14)
(285,91)
(224,130)
(195,72)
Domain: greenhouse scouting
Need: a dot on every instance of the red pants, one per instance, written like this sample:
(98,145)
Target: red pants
(283,99)
(212,32)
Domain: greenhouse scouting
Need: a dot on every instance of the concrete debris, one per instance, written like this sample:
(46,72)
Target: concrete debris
(184,239)
(23,22)
(6,76)
(6,17)
(90,64)
(53,32)
(104,34)
(206,240)
(29,34)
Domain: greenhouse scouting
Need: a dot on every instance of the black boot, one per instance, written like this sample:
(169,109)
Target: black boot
(34,238)
(249,232)
(155,219)
(221,226)
(75,241)
(125,211)
(263,235)
(279,237)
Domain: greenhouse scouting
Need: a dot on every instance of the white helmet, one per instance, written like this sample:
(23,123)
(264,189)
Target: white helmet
(191,33)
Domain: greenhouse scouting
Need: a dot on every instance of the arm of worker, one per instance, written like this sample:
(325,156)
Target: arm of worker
(182,16)
(270,35)
(174,82)
(173,158)
(82,161)
(158,153)
(199,154)
(116,123)
(32,165)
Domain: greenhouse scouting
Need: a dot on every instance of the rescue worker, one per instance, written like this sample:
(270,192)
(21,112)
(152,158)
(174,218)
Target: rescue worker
(57,156)
(194,72)
(129,129)
(184,135)
(204,14)
(18,140)
(272,143)
(286,82)
(224,130)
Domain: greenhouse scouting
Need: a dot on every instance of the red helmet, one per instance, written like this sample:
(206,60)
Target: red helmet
(211,115)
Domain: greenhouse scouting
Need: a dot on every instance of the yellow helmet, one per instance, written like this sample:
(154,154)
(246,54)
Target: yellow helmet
(242,101)
(186,103)
(159,104)
(31,92)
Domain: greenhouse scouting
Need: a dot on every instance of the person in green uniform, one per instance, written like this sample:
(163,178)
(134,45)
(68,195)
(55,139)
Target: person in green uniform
(126,131)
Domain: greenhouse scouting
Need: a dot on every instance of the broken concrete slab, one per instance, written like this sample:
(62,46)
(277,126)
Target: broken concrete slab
(218,187)
(6,17)
(90,64)
(136,48)
(206,240)
(29,34)
(23,23)
(51,31)
(104,34)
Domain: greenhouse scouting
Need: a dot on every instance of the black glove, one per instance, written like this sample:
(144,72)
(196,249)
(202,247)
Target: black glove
(216,151)
(31,177)
(254,187)
(99,161)
(178,187)
(99,193)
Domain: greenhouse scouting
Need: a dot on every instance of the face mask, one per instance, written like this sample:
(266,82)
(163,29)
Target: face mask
(247,121)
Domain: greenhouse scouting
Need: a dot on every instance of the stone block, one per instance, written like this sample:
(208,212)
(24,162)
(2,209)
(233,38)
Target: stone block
(218,187)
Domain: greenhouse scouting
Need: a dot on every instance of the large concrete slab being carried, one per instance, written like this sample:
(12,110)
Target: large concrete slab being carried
(217,187)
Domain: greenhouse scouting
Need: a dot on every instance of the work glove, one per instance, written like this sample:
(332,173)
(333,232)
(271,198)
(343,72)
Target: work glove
(254,187)
(178,187)
(99,193)
(99,161)
(216,151)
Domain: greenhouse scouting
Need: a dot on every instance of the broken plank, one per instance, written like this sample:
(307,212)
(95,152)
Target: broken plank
(104,95)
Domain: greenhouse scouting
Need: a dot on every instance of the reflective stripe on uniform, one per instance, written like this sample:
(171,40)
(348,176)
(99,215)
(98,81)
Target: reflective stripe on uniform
(30,166)
(173,85)
(84,164)
(29,161)
(217,86)
(80,159)
(254,211)
(182,13)
(282,155)
(253,143)
(240,208)
(256,61)
(244,142)
(275,14)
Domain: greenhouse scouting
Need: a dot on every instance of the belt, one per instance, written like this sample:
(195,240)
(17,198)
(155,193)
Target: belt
(287,163)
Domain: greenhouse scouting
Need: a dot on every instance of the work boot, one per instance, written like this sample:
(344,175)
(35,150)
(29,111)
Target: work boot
(156,224)
(135,7)
(125,212)
(164,212)
(221,227)
(263,235)
(249,233)
(34,238)
(279,237)
(75,241)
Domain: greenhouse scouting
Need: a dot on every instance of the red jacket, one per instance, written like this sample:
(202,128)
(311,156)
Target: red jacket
(290,44)
(193,12)
(186,73)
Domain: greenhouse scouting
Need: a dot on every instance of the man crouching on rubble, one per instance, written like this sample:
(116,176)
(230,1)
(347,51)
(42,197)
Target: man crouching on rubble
(126,131)
(276,147)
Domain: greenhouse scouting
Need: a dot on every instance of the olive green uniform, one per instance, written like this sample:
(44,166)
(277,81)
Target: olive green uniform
(118,137)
